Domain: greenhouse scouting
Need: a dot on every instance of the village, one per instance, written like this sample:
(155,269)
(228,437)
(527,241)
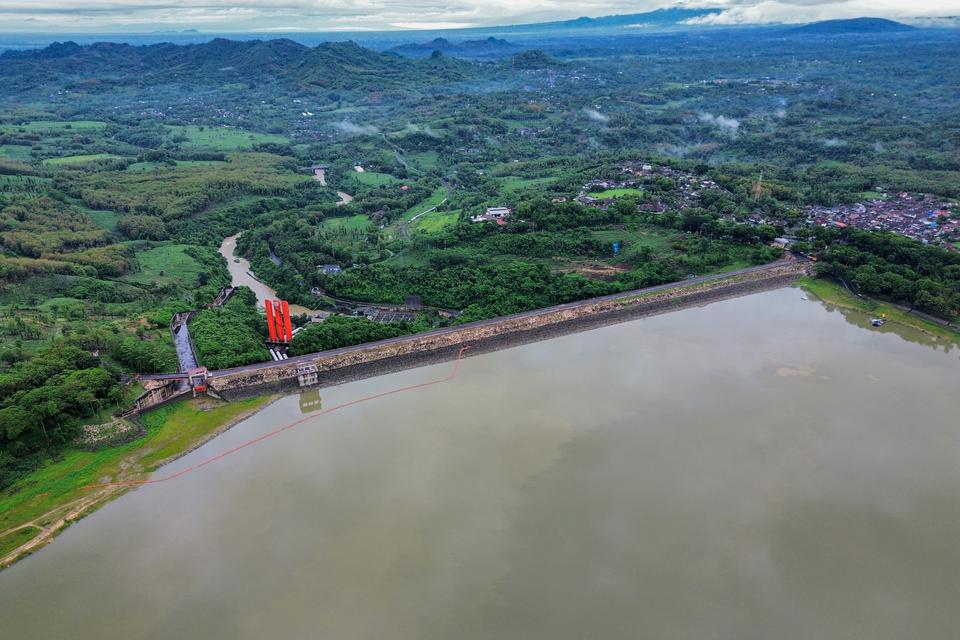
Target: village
(921,217)
(689,187)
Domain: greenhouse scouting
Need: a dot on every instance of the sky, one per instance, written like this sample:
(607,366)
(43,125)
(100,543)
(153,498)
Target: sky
(278,16)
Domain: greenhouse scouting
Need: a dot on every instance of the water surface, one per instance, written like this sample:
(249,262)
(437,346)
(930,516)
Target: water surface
(758,468)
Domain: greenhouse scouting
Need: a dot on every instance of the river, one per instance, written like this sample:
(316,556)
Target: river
(241,275)
(757,468)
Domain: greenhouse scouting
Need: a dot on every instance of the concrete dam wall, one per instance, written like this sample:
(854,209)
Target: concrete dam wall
(352,363)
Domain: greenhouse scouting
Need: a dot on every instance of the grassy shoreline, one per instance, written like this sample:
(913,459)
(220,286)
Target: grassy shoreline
(50,498)
(835,294)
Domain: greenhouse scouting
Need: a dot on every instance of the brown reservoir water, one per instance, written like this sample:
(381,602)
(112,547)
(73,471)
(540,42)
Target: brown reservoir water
(759,468)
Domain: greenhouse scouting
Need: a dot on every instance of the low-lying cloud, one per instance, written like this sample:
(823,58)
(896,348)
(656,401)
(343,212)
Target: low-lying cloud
(730,125)
(353,129)
(596,116)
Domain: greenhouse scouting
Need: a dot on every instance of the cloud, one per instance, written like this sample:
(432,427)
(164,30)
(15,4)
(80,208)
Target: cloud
(727,124)
(800,11)
(352,129)
(595,115)
(127,16)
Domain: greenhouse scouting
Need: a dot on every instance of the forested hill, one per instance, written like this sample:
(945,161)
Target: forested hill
(341,65)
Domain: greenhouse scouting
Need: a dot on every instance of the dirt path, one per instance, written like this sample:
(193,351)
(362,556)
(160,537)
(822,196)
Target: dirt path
(344,198)
(54,521)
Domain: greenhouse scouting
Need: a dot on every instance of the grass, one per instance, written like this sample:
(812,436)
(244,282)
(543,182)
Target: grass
(435,199)
(88,157)
(436,221)
(221,138)
(55,126)
(513,184)
(837,295)
(424,160)
(13,540)
(166,264)
(373,178)
(616,193)
(170,430)
(633,238)
(871,195)
(352,223)
(18,183)
(18,152)
(145,166)
(103,219)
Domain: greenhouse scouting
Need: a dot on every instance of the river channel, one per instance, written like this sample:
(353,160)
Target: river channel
(241,275)
(759,468)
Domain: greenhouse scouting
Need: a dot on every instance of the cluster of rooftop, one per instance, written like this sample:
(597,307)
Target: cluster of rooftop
(922,217)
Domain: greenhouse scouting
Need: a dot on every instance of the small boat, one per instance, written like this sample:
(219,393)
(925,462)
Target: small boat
(878,322)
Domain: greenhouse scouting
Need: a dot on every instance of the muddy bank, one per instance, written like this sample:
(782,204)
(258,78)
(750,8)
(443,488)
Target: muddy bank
(345,365)
(241,275)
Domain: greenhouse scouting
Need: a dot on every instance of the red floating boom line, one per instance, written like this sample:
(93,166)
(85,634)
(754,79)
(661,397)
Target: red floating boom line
(270,327)
(287,427)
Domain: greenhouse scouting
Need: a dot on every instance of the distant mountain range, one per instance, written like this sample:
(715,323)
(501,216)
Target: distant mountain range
(335,65)
(854,25)
(470,49)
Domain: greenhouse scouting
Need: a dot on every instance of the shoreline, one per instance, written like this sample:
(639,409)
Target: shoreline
(262,395)
(54,521)
(832,293)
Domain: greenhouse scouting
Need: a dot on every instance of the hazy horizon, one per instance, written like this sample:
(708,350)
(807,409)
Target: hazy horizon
(305,16)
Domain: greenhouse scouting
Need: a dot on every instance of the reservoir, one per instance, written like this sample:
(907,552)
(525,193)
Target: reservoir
(762,467)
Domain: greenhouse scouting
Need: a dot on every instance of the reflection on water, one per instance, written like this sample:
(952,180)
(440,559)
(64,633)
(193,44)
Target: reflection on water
(759,468)
(910,334)
(310,401)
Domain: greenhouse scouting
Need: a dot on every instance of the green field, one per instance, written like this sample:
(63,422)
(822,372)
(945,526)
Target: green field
(55,126)
(221,138)
(166,265)
(512,184)
(633,238)
(424,160)
(436,221)
(353,223)
(18,152)
(145,166)
(103,219)
(89,157)
(616,193)
(373,178)
(435,199)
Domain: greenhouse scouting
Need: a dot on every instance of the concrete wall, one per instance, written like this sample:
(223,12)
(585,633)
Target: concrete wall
(419,350)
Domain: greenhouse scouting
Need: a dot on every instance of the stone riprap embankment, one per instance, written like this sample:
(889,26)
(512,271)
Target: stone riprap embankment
(352,363)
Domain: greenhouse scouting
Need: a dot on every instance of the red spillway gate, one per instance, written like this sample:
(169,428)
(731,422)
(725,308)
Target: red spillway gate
(270,326)
(278,321)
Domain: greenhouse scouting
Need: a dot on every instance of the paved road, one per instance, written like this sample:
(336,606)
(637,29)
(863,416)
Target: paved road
(482,323)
